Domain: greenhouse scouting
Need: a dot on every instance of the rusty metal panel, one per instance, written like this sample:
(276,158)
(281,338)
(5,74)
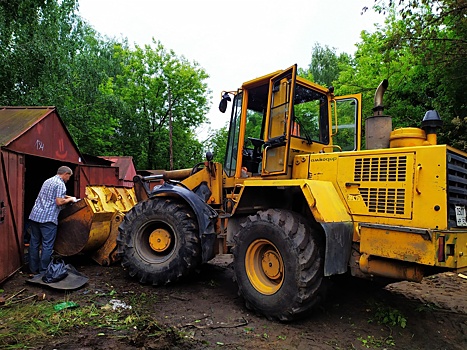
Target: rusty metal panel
(37,131)
(95,175)
(11,213)
(73,229)
(126,168)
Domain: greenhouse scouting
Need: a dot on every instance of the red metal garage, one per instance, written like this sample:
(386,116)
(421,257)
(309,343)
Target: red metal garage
(126,168)
(34,142)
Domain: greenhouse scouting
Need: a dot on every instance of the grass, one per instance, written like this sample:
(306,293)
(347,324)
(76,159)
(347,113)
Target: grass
(24,324)
(370,342)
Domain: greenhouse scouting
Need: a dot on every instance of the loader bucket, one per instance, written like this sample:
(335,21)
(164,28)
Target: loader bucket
(90,226)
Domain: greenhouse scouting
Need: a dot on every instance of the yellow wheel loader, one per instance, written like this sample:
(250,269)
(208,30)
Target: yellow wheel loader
(297,201)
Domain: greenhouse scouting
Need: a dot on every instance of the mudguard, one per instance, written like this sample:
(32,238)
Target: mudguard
(205,215)
(329,211)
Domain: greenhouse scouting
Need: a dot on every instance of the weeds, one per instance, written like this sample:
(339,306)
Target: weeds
(248,330)
(388,316)
(428,307)
(372,342)
(32,323)
(383,315)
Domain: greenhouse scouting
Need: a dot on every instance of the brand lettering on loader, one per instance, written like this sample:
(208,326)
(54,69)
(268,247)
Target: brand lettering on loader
(327,159)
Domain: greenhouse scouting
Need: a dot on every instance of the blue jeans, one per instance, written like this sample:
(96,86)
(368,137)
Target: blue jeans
(44,233)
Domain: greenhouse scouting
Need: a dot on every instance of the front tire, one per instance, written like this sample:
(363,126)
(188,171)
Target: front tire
(158,241)
(278,264)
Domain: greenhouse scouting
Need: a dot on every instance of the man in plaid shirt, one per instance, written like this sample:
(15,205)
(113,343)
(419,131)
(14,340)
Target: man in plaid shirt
(44,219)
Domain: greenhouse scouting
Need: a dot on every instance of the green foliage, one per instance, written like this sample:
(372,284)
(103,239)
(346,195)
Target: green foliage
(23,324)
(345,134)
(217,143)
(254,124)
(114,100)
(117,100)
(388,316)
(91,114)
(188,150)
(38,40)
(325,65)
(157,88)
(370,342)
(422,48)
(428,307)
(51,57)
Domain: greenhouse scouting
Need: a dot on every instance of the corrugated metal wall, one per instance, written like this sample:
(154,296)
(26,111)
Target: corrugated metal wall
(95,175)
(11,212)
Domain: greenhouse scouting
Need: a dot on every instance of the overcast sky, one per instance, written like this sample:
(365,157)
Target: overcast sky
(234,41)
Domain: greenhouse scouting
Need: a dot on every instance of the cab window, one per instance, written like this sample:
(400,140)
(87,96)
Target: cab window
(230,164)
(345,133)
(310,115)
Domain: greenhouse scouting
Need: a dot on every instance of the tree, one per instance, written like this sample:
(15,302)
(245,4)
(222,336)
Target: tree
(91,111)
(50,56)
(405,99)
(434,32)
(325,65)
(155,84)
(114,100)
(217,143)
(37,41)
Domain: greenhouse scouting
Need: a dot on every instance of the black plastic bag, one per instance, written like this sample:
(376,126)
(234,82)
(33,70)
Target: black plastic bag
(56,271)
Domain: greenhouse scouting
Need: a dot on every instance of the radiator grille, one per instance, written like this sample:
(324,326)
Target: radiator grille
(375,175)
(457,184)
(384,200)
(381,169)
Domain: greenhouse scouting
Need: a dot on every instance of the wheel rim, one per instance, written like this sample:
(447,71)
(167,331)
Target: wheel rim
(264,266)
(155,242)
(159,240)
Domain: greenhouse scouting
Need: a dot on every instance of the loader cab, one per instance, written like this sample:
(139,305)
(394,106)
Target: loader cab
(279,116)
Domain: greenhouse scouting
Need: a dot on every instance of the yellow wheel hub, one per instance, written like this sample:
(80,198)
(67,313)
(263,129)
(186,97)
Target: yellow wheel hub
(264,266)
(160,240)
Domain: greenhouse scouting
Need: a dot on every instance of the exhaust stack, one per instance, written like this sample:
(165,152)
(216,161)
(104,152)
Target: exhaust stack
(378,127)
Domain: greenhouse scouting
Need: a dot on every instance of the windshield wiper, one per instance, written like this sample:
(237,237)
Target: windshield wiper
(303,131)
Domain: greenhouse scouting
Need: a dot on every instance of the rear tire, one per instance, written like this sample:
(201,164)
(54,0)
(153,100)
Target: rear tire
(278,264)
(158,241)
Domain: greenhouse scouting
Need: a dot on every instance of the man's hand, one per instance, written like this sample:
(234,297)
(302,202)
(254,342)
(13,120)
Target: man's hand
(67,199)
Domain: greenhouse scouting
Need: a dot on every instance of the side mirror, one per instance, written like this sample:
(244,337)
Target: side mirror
(223,103)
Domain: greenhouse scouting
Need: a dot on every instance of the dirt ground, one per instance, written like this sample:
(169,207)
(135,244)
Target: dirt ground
(208,312)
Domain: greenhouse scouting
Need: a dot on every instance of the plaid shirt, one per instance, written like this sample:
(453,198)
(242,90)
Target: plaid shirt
(45,209)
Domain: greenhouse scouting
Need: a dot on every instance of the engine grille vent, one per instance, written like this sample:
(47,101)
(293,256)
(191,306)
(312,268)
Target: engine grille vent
(375,175)
(381,169)
(457,184)
(384,200)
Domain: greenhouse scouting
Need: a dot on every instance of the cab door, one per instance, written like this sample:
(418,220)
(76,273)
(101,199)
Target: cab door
(346,114)
(278,120)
